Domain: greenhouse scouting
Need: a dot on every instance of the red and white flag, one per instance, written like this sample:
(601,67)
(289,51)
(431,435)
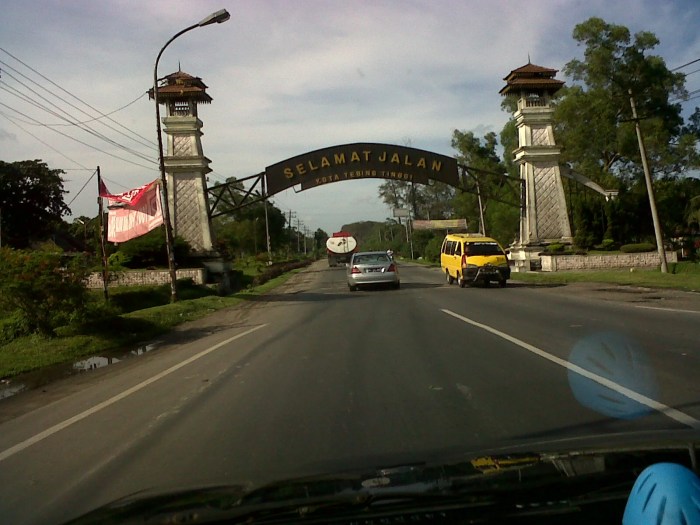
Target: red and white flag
(130,197)
(133,213)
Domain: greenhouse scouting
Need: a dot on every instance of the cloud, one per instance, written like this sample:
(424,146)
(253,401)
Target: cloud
(290,77)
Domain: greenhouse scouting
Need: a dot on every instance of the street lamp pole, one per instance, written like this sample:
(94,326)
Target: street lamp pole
(214,18)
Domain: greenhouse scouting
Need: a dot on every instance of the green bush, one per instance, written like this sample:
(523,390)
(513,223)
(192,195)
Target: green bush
(607,245)
(43,289)
(638,248)
(556,248)
(149,250)
(278,269)
(118,260)
(11,327)
(432,249)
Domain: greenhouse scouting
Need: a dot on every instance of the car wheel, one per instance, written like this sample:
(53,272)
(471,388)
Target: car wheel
(449,278)
(461,281)
(397,286)
(352,288)
(502,283)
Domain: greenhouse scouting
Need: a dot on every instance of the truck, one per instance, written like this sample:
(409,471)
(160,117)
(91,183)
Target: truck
(340,248)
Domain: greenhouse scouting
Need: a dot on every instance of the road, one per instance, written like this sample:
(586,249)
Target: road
(313,378)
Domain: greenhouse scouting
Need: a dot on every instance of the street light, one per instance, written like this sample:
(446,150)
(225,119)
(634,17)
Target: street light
(81,221)
(215,18)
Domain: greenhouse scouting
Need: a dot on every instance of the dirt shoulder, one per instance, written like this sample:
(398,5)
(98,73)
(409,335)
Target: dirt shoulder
(662,298)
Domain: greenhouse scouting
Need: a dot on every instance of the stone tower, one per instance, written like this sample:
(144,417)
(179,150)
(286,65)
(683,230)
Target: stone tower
(185,163)
(544,219)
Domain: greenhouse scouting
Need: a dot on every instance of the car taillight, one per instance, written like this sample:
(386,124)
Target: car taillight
(355,269)
(392,268)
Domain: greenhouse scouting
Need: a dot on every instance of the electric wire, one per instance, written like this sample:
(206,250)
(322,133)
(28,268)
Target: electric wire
(114,183)
(146,144)
(85,128)
(44,143)
(76,98)
(81,189)
(686,65)
(81,142)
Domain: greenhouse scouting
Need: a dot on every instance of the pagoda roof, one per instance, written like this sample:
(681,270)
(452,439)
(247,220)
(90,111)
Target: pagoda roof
(181,86)
(531,77)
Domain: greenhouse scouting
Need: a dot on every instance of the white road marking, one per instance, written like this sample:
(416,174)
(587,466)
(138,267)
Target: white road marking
(667,309)
(676,415)
(126,393)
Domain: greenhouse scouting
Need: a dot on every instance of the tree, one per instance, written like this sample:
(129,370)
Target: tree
(320,238)
(42,288)
(436,200)
(396,193)
(242,230)
(31,202)
(594,115)
(501,220)
(595,129)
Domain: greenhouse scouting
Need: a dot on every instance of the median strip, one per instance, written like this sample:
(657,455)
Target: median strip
(672,413)
(126,393)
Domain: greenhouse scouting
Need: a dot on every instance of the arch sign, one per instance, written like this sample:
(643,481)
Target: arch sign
(361,161)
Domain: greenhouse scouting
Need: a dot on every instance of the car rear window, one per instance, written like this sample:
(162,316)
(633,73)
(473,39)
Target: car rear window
(372,258)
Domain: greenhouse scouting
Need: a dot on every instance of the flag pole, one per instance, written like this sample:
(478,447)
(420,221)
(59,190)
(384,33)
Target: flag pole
(105,275)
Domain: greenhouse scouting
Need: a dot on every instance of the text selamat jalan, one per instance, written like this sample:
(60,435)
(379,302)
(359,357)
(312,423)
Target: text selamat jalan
(339,159)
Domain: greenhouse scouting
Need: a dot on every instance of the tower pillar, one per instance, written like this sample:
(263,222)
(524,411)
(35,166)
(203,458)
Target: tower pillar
(543,219)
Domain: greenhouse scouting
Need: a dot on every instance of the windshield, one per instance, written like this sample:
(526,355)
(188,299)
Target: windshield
(329,253)
(483,248)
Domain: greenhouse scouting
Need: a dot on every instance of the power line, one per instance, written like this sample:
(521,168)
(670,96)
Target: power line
(687,96)
(85,128)
(685,65)
(113,112)
(44,143)
(114,183)
(88,130)
(80,141)
(75,97)
(81,189)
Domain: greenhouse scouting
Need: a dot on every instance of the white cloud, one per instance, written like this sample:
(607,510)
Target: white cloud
(290,77)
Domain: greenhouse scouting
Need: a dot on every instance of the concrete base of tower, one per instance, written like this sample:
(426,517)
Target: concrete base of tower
(526,257)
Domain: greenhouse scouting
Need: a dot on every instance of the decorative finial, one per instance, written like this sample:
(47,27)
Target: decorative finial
(180,69)
(528,59)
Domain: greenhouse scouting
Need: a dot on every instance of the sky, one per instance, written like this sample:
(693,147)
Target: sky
(286,77)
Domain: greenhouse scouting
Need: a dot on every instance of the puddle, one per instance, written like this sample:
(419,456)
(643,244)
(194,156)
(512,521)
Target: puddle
(15,385)
(9,388)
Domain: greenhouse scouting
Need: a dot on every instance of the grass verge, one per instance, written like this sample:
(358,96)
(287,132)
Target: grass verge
(29,353)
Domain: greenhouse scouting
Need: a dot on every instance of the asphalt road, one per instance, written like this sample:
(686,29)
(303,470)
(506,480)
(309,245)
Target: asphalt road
(313,378)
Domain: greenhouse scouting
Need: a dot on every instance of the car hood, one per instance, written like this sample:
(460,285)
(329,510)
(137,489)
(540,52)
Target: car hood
(566,472)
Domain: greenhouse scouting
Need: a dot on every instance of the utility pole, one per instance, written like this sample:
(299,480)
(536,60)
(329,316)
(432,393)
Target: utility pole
(267,225)
(289,246)
(298,237)
(650,189)
(103,247)
(482,224)
(255,236)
